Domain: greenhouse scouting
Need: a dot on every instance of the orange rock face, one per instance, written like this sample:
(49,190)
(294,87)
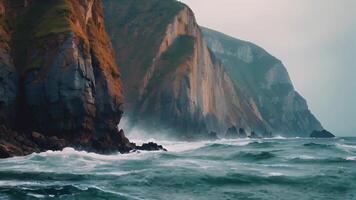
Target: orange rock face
(172,80)
(60,72)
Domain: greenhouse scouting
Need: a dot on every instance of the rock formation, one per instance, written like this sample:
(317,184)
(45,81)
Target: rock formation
(58,77)
(172,80)
(265,79)
(322,134)
(232,133)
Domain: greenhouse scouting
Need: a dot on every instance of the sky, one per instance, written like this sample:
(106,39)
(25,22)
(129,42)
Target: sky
(315,39)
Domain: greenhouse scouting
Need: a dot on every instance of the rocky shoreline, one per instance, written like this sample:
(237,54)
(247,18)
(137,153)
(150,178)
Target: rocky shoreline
(13,143)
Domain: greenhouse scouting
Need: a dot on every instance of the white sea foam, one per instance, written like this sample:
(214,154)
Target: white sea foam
(303,157)
(68,152)
(179,146)
(19,183)
(353,158)
(346,146)
(39,196)
(275,174)
(279,137)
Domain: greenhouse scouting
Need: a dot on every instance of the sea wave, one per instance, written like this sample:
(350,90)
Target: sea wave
(223,169)
(264,155)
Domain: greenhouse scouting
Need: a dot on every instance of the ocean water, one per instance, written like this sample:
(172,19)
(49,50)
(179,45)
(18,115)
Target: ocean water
(271,169)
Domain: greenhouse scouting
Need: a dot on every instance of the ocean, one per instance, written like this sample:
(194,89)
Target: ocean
(246,169)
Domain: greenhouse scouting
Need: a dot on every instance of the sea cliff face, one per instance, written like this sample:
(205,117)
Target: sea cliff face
(266,80)
(179,84)
(58,76)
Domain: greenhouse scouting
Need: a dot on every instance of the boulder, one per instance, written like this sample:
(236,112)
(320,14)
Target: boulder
(321,134)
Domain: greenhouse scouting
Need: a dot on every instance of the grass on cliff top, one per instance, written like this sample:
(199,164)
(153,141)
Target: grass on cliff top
(42,19)
(55,20)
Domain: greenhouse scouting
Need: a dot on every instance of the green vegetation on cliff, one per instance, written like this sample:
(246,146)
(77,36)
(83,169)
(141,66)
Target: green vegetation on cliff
(41,20)
(55,20)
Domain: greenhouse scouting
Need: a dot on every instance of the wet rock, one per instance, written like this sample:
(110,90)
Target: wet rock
(322,134)
(13,143)
(151,146)
(111,142)
(48,143)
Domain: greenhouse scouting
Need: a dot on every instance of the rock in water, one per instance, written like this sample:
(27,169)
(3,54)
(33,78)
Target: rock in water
(322,134)
(232,133)
(151,146)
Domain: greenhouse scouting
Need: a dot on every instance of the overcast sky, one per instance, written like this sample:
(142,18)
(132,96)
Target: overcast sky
(315,39)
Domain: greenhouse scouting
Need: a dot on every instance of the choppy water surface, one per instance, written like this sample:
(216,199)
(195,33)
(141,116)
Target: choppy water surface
(229,169)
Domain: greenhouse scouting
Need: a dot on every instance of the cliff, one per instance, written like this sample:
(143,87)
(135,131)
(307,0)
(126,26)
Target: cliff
(266,80)
(172,80)
(58,77)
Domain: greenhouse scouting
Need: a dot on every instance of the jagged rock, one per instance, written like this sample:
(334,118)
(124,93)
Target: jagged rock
(112,142)
(59,82)
(48,143)
(13,143)
(322,134)
(151,146)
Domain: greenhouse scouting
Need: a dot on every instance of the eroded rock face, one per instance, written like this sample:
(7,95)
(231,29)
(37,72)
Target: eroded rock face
(174,83)
(266,81)
(73,86)
(60,84)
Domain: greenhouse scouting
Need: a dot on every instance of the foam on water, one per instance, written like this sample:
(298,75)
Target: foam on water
(351,158)
(278,168)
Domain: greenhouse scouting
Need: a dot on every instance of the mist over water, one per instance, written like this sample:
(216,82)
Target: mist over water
(225,169)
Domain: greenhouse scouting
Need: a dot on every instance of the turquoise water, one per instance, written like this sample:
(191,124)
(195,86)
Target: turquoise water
(293,169)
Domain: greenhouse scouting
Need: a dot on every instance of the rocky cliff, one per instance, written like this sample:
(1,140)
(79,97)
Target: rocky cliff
(8,75)
(266,80)
(58,77)
(172,80)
